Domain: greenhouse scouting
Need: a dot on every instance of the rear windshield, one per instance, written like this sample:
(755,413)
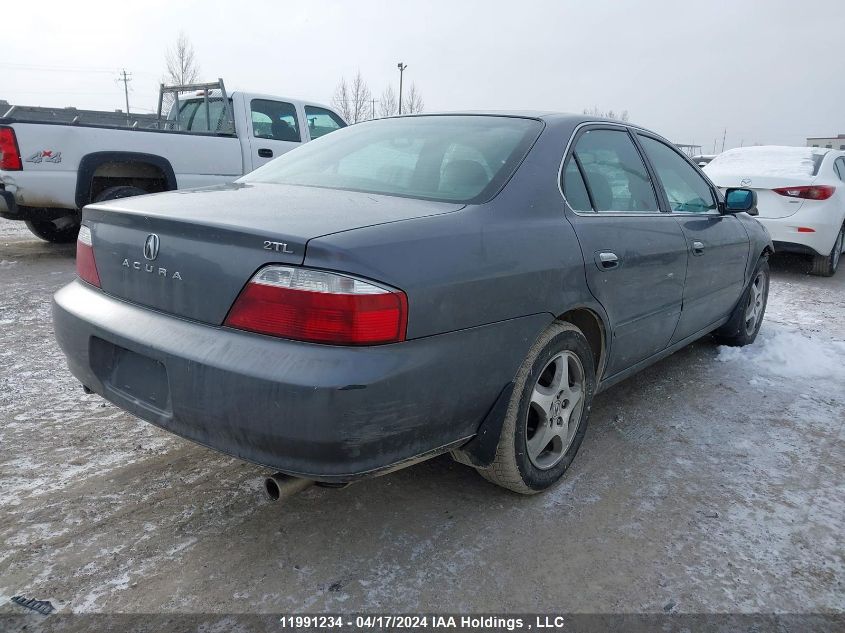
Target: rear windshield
(194,117)
(768,160)
(444,158)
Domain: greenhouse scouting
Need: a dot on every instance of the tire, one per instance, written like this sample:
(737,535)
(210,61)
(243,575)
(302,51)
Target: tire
(522,464)
(122,191)
(826,265)
(744,325)
(60,231)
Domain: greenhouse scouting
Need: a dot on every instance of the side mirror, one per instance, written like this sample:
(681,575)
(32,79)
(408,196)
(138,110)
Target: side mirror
(741,200)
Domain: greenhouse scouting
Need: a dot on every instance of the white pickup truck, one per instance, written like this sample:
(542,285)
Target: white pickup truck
(50,169)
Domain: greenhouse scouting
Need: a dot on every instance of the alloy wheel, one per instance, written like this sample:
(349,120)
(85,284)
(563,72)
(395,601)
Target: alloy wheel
(837,248)
(554,412)
(755,302)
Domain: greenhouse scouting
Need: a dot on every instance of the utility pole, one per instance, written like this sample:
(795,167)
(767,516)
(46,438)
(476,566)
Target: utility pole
(126,77)
(724,135)
(374,109)
(402,68)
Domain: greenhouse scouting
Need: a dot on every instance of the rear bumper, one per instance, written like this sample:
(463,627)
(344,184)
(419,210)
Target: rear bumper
(322,412)
(825,223)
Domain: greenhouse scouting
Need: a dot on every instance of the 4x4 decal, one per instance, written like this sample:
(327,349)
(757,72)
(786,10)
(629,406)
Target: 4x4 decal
(47,155)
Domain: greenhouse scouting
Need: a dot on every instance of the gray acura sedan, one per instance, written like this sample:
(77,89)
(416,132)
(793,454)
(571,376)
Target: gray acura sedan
(411,286)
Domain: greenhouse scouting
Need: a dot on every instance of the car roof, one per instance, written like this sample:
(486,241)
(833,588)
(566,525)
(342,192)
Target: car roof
(257,95)
(544,115)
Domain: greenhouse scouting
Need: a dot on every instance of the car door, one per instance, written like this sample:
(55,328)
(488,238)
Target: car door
(274,129)
(635,254)
(718,244)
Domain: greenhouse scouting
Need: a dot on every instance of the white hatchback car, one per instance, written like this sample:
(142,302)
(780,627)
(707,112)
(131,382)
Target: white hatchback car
(800,196)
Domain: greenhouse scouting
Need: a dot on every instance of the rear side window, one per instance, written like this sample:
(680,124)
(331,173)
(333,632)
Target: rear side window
(321,121)
(574,188)
(686,190)
(274,120)
(614,172)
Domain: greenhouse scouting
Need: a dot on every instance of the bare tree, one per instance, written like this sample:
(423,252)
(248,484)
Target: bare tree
(355,101)
(387,105)
(341,101)
(413,101)
(361,96)
(609,114)
(182,65)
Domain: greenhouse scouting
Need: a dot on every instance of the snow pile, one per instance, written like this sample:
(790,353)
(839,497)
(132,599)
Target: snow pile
(789,354)
(766,160)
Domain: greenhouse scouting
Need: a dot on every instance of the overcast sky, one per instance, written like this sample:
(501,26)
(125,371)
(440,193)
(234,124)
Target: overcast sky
(770,71)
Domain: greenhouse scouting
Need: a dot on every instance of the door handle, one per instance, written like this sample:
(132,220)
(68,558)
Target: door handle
(265,153)
(698,248)
(607,260)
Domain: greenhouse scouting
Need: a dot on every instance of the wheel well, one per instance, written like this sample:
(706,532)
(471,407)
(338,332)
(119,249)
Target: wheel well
(145,176)
(591,325)
(99,171)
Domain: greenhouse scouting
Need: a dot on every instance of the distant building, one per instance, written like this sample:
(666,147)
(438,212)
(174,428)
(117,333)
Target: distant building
(830,142)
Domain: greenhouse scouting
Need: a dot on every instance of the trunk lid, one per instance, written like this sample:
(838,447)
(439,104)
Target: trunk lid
(767,167)
(769,203)
(209,242)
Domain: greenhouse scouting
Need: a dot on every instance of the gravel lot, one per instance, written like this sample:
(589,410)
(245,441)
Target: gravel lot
(711,482)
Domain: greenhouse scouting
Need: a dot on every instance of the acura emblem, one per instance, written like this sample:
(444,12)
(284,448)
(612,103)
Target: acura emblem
(151,247)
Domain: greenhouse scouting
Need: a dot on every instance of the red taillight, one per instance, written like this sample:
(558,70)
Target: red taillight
(86,267)
(10,155)
(809,192)
(319,307)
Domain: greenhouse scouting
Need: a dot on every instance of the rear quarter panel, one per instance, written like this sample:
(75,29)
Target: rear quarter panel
(514,256)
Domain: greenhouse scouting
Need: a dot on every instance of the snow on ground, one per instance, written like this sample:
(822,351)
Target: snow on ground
(788,353)
(710,482)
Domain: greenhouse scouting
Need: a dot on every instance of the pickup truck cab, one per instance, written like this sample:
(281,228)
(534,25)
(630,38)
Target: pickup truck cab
(50,169)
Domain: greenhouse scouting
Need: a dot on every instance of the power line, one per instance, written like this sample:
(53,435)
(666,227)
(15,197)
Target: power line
(65,69)
(58,69)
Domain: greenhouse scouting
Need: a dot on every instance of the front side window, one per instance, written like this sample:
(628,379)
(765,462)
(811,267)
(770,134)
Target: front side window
(274,120)
(614,172)
(322,121)
(686,190)
(449,158)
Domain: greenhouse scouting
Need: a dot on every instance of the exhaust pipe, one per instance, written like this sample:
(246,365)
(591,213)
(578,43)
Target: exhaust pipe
(280,486)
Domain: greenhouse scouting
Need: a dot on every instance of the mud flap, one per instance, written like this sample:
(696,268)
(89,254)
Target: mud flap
(480,451)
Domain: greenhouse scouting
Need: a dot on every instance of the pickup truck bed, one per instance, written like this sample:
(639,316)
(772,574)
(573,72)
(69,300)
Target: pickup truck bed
(50,169)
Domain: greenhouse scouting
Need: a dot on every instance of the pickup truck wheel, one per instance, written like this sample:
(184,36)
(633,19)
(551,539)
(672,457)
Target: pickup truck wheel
(123,191)
(60,231)
(547,416)
(826,265)
(744,325)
